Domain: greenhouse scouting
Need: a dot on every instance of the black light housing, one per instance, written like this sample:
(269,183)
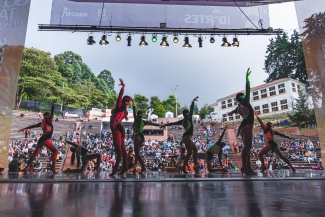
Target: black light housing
(212,40)
(118,38)
(164,42)
(225,43)
(143,41)
(103,41)
(90,40)
(200,40)
(235,42)
(129,39)
(187,43)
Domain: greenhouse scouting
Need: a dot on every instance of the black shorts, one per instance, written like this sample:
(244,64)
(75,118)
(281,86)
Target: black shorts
(141,137)
(273,145)
(120,128)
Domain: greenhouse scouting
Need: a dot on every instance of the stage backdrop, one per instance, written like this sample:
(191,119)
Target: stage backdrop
(66,12)
(311,16)
(13,26)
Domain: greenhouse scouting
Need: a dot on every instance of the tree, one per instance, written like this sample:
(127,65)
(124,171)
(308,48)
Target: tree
(111,101)
(285,58)
(160,110)
(196,109)
(303,114)
(170,104)
(154,101)
(106,75)
(141,102)
(205,110)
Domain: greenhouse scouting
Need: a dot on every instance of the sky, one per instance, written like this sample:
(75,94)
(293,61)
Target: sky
(211,72)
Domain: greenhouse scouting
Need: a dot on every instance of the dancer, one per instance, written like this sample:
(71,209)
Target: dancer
(47,127)
(83,152)
(187,123)
(138,135)
(245,109)
(216,149)
(118,114)
(270,144)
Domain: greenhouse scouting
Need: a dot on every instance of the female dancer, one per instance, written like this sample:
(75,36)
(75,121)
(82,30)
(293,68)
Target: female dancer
(187,123)
(270,143)
(216,149)
(47,127)
(246,127)
(83,152)
(138,135)
(118,114)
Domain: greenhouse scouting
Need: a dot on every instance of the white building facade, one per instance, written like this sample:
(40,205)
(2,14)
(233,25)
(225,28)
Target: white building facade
(270,99)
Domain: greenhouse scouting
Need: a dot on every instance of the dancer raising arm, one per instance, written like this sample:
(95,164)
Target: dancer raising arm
(216,149)
(47,127)
(245,109)
(187,123)
(83,152)
(118,114)
(270,144)
(138,135)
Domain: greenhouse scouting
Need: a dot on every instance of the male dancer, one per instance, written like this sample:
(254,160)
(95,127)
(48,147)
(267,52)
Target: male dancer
(245,109)
(47,127)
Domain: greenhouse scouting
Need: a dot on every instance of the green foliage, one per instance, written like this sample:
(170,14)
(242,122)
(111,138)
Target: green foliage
(106,75)
(141,102)
(170,105)
(160,110)
(205,110)
(111,101)
(285,58)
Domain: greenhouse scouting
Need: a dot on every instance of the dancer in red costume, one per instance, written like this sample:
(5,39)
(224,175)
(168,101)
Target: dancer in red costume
(118,114)
(47,127)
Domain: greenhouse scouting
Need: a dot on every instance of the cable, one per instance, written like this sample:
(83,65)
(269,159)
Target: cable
(245,15)
(101,14)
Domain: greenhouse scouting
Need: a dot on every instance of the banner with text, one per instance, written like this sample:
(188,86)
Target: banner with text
(311,17)
(13,26)
(65,12)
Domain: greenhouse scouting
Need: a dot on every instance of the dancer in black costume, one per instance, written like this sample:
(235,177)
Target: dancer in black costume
(187,123)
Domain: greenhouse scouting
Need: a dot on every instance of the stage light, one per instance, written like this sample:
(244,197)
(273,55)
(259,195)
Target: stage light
(90,40)
(164,42)
(200,40)
(175,39)
(118,38)
(154,38)
(143,41)
(103,41)
(225,43)
(235,42)
(187,43)
(212,40)
(129,39)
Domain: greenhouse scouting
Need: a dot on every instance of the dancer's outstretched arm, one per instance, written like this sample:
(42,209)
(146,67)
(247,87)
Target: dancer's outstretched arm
(248,86)
(192,106)
(264,127)
(120,96)
(30,127)
(174,123)
(280,134)
(223,133)
(134,109)
(52,110)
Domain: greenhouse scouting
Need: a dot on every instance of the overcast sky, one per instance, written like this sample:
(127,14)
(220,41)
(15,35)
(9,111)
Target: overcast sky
(210,72)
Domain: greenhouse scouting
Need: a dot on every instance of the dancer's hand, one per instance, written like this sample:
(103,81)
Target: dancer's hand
(230,114)
(162,126)
(21,130)
(122,82)
(226,126)
(248,73)
(132,100)
(195,99)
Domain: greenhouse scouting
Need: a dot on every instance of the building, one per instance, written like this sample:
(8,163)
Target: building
(270,99)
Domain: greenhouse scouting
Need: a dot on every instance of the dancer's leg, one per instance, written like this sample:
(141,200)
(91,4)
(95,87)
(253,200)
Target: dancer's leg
(195,156)
(263,152)
(124,154)
(50,145)
(137,147)
(278,152)
(247,136)
(117,145)
(31,159)
(189,149)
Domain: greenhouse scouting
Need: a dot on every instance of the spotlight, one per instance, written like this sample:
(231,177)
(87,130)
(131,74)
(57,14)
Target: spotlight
(164,42)
(103,41)
(143,41)
(90,40)
(118,38)
(175,39)
(212,40)
(154,38)
(129,39)
(225,43)
(187,43)
(200,40)
(235,42)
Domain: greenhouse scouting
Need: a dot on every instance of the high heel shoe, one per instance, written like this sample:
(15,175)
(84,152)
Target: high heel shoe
(196,169)
(114,171)
(246,171)
(124,169)
(143,171)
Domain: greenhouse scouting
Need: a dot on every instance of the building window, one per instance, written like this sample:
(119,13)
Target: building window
(258,112)
(293,84)
(283,107)
(223,107)
(272,88)
(231,118)
(264,95)
(282,91)
(263,91)
(274,106)
(294,89)
(225,120)
(257,108)
(229,100)
(255,93)
(272,93)
(230,105)
(235,103)
(265,108)
(281,86)
(282,102)
(224,115)
(298,86)
(223,102)
(255,98)
(237,116)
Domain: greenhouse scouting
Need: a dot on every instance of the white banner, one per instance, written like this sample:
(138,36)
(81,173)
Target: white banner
(66,12)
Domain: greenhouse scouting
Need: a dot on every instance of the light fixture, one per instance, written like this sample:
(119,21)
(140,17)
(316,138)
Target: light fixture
(175,40)
(143,41)
(212,40)
(164,42)
(154,38)
(118,38)
(103,41)
(187,43)
(235,42)
(90,40)
(225,43)
(129,39)
(200,40)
